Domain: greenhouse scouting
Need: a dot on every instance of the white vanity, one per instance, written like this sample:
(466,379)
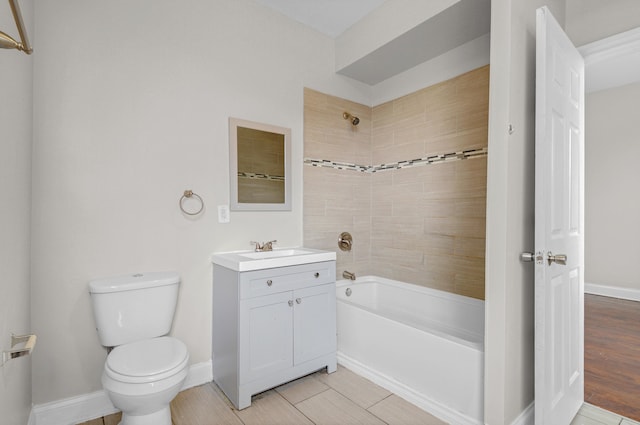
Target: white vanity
(274,319)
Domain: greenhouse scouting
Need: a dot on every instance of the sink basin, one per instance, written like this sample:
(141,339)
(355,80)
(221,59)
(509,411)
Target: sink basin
(243,261)
(276,253)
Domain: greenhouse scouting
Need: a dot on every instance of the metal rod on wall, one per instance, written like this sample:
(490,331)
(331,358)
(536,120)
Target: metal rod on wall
(8,42)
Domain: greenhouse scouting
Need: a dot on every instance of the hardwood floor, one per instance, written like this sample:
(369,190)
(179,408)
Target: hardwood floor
(612,355)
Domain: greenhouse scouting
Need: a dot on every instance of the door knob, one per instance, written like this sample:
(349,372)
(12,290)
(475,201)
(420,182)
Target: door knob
(558,259)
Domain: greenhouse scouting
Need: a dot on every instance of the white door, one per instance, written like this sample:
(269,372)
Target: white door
(559,216)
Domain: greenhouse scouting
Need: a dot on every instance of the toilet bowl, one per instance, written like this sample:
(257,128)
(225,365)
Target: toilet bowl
(145,368)
(141,378)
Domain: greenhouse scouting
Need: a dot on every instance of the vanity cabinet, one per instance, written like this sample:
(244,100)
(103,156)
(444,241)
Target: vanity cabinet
(272,326)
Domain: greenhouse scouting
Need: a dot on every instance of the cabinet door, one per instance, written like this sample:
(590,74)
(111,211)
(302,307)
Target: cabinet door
(266,336)
(314,323)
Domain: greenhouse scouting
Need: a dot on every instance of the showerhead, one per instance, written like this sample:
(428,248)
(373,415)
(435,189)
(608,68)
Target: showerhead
(354,120)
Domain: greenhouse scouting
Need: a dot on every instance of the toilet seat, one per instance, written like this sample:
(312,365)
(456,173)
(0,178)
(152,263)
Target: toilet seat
(149,360)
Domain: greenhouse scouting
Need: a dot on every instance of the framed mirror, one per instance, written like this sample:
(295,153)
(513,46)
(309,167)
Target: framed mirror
(260,166)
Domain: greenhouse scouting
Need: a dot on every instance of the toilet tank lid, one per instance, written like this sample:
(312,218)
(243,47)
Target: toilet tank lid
(134,281)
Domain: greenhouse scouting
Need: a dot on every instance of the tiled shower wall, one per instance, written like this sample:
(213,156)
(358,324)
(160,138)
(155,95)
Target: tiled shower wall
(409,183)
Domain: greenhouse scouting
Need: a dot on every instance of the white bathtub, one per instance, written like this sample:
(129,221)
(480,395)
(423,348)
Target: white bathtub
(423,344)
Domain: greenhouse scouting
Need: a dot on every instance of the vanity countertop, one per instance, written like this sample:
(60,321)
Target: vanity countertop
(242,261)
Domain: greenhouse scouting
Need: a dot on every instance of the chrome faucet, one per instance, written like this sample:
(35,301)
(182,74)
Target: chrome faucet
(266,246)
(349,275)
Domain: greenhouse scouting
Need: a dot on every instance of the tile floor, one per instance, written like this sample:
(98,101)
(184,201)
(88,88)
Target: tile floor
(592,415)
(340,398)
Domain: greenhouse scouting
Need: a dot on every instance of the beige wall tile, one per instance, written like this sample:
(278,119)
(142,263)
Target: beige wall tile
(398,152)
(424,224)
(455,226)
(469,247)
(471,207)
(459,141)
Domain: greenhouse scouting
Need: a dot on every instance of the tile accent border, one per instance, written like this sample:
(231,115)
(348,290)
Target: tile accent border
(428,160)
(260,176)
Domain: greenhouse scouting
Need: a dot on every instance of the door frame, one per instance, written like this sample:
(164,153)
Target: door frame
(504,273)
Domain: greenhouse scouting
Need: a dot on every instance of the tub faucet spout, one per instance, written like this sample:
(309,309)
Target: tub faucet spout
(349,275)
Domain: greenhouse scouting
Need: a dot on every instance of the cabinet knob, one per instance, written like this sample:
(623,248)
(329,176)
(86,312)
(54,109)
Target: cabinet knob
(290,303)
(316,275)
(298,300)
(269,282)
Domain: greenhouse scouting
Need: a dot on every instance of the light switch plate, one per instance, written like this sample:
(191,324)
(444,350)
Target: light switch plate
(223,214)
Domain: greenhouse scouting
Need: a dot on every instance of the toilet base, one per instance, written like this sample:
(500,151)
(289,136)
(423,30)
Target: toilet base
(161,417)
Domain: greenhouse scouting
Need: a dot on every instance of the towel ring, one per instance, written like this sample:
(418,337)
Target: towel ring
(191,194)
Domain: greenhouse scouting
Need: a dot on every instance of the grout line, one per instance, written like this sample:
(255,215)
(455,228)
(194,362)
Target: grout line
(375,404)
(312,396)
(301,412)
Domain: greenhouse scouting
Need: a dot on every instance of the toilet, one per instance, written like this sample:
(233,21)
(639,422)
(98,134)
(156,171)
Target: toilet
(145,368)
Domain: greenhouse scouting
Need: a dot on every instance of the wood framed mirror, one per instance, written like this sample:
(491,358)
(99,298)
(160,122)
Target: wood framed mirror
(260,166)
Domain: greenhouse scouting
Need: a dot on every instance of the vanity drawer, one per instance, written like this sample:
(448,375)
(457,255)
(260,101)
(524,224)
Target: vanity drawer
(271,281)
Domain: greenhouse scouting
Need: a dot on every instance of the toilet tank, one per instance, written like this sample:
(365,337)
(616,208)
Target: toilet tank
(134,307)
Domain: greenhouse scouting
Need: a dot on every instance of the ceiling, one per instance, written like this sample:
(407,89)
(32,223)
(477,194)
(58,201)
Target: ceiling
(462,22)
(330,17)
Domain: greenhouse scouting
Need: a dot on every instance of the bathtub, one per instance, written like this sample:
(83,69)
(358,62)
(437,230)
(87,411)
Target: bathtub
(425,345)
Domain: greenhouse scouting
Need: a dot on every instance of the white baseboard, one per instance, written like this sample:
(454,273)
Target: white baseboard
(199,373)
(85,407)
(526,417)
(612,291)
(435,408)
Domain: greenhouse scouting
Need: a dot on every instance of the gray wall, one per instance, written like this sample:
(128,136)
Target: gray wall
(592,20)
(16,108)
(509,338)
(131,109)
(612,198)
